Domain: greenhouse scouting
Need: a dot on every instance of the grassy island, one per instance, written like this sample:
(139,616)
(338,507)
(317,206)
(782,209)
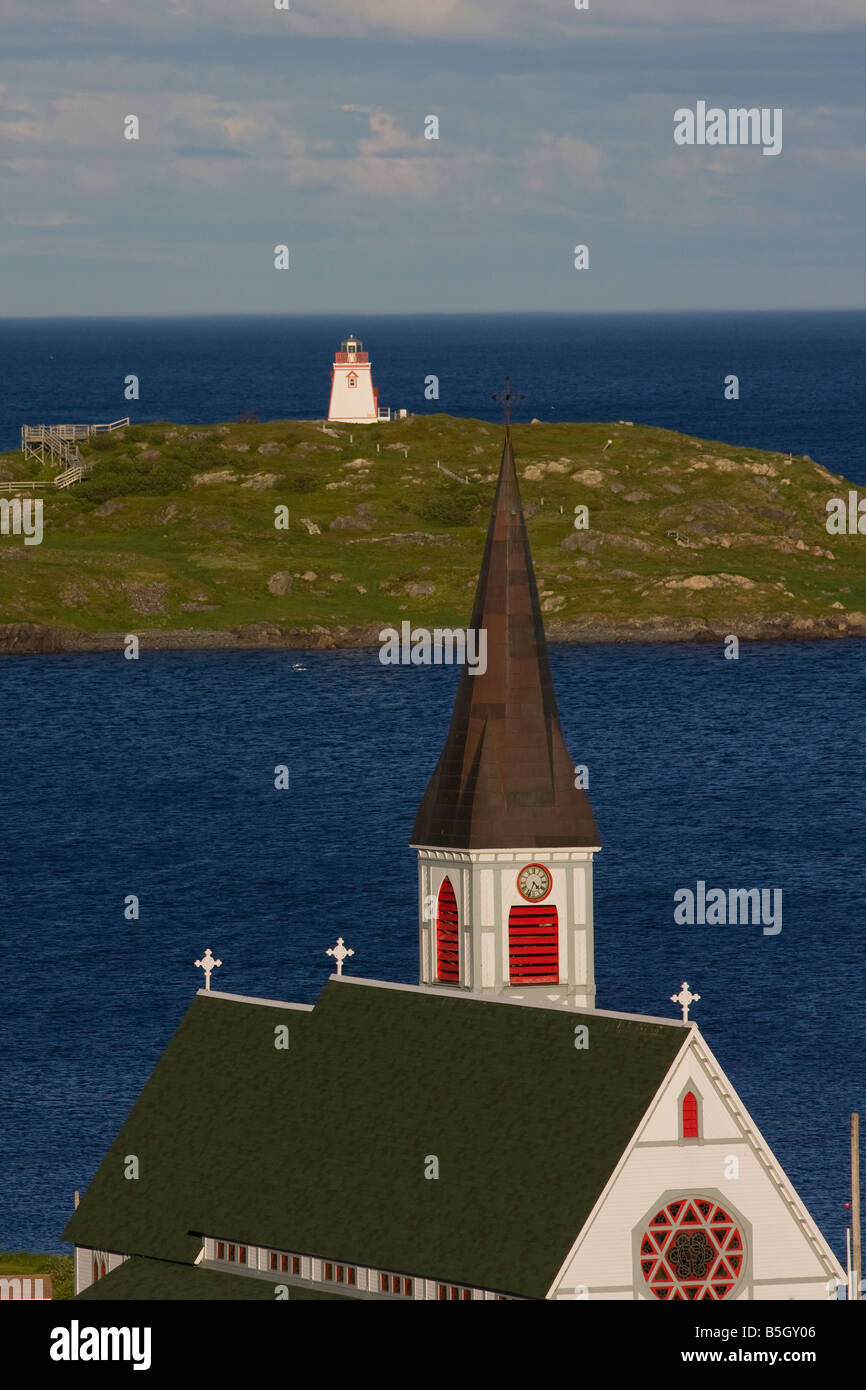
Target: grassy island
(172,535)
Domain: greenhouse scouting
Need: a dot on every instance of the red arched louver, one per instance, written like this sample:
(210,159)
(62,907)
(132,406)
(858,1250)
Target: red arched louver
(447,938)
(533,945)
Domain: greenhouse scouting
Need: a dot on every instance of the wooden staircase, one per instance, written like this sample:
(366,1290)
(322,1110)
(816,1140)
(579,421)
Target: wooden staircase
(73,474)
(58,444)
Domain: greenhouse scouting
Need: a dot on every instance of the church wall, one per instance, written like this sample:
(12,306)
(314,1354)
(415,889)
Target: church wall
(83,1264)
(313,1269)
(728,1164)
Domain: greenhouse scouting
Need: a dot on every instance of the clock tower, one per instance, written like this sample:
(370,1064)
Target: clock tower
(505,838)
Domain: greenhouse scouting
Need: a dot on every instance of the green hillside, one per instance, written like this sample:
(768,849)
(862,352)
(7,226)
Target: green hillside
(173,534)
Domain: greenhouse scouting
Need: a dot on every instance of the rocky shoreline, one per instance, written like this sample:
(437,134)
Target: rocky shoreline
(32,638)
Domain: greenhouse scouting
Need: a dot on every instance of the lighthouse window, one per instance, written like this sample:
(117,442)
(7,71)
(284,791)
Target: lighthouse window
(353,380)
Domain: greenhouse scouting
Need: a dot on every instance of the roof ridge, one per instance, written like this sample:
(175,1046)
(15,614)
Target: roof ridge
(449,992)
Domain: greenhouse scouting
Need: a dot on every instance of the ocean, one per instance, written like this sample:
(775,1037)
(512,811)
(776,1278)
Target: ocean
(802,376)
(155,778)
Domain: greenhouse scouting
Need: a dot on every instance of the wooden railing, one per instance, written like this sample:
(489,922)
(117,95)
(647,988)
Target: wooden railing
(115,425)
(72,475)
(61,444)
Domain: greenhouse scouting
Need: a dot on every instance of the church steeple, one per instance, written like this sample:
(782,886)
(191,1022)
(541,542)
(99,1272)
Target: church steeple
(504,778)
(505,838)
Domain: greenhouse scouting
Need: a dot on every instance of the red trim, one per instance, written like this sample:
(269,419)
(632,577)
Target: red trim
(447,933)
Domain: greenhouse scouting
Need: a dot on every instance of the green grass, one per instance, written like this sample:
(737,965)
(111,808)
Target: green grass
(144,543)
(59,1267)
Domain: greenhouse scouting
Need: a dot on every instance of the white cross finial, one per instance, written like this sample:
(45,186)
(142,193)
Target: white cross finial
(339,952)
(685,998)
(207,964)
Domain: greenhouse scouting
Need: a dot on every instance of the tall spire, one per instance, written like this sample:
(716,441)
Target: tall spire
(505,778)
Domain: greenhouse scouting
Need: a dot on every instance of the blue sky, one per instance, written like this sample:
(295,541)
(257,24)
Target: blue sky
(305,127)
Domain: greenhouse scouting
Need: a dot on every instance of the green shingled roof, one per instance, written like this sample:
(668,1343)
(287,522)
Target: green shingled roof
(146,1280)
(321,1149)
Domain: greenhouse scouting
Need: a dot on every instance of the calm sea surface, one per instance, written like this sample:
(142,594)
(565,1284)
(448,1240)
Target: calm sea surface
(156,778)
(802,375)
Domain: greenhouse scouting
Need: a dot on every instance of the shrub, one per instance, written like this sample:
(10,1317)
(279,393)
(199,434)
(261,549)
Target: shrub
(453,504)
(124,477)
(303,482)
(102,443)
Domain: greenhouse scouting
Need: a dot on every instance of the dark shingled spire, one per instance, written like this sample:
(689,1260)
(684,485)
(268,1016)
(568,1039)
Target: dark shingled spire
(505,779)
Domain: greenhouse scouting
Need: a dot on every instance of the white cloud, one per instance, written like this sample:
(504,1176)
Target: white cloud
(561,160)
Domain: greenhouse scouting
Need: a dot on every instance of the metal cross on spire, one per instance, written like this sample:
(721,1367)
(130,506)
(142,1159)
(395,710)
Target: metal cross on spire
(207,964)
(685,999)
(507,397)
(340,953)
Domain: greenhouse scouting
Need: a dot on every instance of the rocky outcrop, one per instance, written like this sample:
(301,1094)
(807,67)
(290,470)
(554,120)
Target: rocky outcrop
(21,638)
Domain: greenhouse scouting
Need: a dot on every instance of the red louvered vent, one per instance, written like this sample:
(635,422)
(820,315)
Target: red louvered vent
(690,1116)
(447,939)
(533,945)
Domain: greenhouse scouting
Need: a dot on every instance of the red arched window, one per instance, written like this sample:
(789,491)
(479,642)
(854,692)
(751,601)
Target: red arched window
(95,1271)
(533,945)
(447,938)
(690,1115)
(102,1270)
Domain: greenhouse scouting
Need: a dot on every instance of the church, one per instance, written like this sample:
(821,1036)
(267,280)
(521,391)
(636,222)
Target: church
(485,1134)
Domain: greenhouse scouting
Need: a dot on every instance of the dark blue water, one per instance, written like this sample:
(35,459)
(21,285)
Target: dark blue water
(802,375)
(156,778)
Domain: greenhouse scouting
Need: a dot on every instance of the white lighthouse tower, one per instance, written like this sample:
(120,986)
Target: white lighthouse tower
(354,398)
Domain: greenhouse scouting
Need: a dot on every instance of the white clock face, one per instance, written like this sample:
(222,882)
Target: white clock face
(534,882)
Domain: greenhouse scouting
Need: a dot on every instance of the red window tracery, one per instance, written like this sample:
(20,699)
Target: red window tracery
(691,1250)
(533,944)
(447,938)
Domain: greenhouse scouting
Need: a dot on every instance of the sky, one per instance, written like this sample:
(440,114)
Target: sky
(305,126)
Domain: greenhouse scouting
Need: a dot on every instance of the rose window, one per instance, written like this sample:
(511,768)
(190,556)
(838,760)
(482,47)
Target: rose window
(691,1249)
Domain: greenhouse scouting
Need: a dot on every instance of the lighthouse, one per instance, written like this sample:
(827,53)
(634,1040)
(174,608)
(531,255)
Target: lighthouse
(354,398)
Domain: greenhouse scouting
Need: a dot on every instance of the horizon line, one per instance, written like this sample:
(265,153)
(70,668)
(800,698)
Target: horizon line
(430,313)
